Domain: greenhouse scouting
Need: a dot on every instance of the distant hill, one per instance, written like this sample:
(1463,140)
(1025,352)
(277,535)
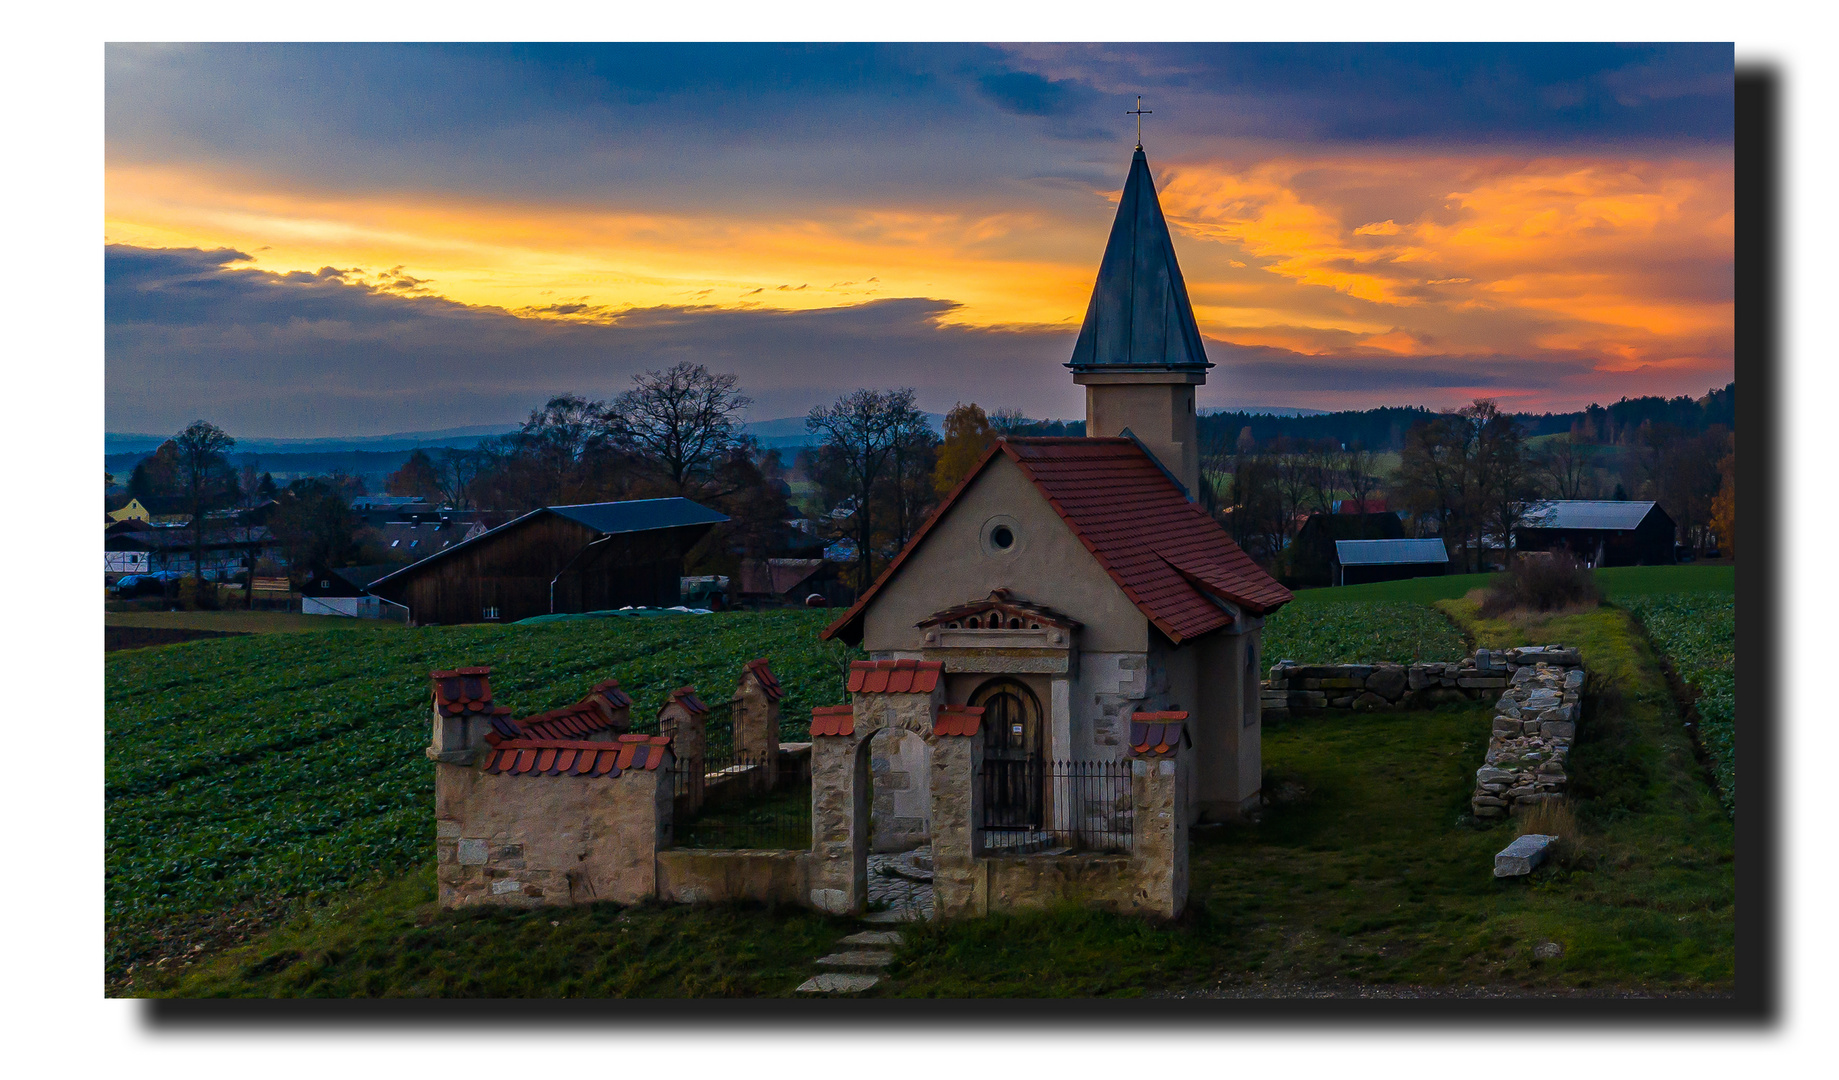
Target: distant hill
(1266,410)
(789,431)
(115,443)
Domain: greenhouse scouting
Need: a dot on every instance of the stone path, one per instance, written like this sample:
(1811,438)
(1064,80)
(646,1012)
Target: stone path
(900,886)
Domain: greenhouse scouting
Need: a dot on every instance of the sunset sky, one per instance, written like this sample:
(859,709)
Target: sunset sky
(352,240)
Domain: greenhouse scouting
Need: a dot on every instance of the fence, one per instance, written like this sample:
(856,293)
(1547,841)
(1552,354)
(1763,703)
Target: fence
(1034,807)
(736,800)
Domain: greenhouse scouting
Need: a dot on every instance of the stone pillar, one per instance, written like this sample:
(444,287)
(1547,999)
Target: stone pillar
(1060,718)
(756,721)
(1161,759)
(463,712)
(839,813)
(958,885)
(683,720)
(614,706)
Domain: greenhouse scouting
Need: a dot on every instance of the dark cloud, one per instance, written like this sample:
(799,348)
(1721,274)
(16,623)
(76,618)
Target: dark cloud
(321,354)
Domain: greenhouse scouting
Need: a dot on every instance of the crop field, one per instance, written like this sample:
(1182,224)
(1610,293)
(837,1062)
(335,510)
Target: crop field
(245,772)
(1360,632)
(1698,635)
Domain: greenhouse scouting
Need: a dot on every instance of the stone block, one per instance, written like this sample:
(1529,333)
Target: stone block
(1475,682)
(1343,683)
(833,982)
(1507,724)
(1487,800)
(1490,811)
(1388,681)
(1489,775)
(1523,855)
(1417,678)
(472,852)
(1557,729)
(507,885)
(1370,700)
(1341,702)
(445,829)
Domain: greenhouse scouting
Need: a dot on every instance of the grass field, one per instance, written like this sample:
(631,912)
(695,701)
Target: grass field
(245,622)
(1615,581)
(1697,633)
(1366,871)
(256,781)
(243,774)
(1360,631)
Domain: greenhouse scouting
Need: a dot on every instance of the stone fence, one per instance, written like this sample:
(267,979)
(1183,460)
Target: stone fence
(1295,689)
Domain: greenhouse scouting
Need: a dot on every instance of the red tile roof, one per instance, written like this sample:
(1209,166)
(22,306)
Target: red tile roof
(1157,733)
(1168,556)
(610,690)
(894,676)
(833,720)
(763,674)
(599,711)
(958,720)
(556,757)
(462,690)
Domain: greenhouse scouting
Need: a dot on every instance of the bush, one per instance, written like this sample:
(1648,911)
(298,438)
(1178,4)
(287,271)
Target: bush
(1553,818)
(1542,582)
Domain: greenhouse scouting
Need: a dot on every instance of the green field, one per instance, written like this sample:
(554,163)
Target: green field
(281,779)
(245,773)
(1361,631)
(1616,581)
(1698,636)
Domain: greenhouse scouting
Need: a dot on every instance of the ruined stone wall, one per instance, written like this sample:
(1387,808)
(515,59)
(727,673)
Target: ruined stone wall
(1535,724)
(901,811)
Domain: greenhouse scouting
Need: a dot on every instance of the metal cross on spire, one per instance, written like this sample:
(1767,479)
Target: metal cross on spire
(1139,112)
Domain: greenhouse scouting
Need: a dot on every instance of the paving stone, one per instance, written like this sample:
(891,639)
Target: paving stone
(1521,856)
(832,982)
(857,958)
(874,937)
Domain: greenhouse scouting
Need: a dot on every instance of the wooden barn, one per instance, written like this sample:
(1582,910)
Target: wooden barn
(1601,532)
(1358,562)
(557,560)
(1309,562)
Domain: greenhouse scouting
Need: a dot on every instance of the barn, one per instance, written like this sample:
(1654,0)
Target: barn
(1358,562)
(556,560)
(1602,532)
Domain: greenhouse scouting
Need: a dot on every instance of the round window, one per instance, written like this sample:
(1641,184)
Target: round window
(1002,537)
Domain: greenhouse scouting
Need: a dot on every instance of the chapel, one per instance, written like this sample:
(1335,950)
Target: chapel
(1068,585)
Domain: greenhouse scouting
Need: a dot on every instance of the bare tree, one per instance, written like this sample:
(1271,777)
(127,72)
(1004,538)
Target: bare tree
(1009,422)
(860,432)
(1566,467)
(454,473)
(205,480)
(682,421)
(911,460)
(1360,474)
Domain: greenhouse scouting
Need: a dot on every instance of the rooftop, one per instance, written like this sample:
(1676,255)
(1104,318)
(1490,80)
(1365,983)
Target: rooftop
(1390,552)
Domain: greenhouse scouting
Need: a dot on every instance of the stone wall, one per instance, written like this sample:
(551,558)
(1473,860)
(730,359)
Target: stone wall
(1311,688)
(1535,724)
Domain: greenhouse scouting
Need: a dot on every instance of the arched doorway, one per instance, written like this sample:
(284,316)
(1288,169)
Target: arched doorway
(1014,772)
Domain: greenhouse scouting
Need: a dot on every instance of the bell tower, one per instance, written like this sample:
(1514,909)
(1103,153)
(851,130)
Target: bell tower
(1139,353)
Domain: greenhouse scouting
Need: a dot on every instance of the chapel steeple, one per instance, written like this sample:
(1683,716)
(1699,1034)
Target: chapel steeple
(1139,352)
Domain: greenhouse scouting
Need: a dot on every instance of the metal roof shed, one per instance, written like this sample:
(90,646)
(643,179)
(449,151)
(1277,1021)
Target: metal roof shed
(1389,560)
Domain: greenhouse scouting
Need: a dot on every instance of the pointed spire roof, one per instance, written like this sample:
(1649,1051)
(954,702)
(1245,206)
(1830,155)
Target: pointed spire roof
(1139,318)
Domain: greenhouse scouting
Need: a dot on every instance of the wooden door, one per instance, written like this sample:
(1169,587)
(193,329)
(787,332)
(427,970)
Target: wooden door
(1013,762)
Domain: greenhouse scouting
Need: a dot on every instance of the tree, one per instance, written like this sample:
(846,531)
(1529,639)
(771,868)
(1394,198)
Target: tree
(454,473)
(204,480)
(1434,474)
(156,476)
(1505,480)
(911,463)
(1360,472)
(681,422)
(858,434)
(1566,466)
(968,435)
(417,478)
(315,527)
(1724,506)
(1007,422)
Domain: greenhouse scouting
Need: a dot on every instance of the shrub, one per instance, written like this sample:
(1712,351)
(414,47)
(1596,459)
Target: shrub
(1554,818)
(1542,582)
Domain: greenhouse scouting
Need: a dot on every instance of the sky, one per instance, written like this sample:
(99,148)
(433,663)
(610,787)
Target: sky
(345,240)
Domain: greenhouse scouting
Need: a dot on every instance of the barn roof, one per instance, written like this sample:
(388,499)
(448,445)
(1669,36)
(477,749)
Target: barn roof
(1390,552)
(1611,514)
(1139,317)
(1173,561)
(607,518)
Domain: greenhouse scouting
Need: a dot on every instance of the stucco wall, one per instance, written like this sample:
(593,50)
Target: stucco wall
(1047,565)
(531,840)
(1160,415)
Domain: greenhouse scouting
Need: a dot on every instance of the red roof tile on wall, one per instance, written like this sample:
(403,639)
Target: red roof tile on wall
(1168,556)
(894,676)
(1157,733)
(763,674)
(555,757)
(958,720)
(833,720)
(462,690)
(686,696)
